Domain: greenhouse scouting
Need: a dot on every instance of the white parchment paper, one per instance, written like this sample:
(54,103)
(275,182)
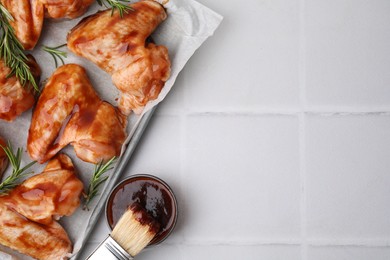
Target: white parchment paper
(188,25)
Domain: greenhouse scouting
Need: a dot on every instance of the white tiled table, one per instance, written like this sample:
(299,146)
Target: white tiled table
(276,136)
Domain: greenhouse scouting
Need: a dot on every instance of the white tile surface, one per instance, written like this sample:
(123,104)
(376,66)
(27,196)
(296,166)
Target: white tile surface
(159,150)
(348,177)
(347,253)
(175,102)
(269,252)
(252,60)
(347,53)
(163,252)
(241,179)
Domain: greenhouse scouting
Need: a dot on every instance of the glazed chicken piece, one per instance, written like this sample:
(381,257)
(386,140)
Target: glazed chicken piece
(28,20)
(66,8)
(15,98)
(27,212)
(118,46)
(70,112)
(43,242)
(3,158)
(51,194)
(29,14)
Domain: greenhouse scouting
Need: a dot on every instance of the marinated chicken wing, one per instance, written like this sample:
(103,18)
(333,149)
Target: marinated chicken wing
(29,14)
(28,20)
(66,8)
(51,194)
(118,45)
(43,242)
(70,112)
(15,98)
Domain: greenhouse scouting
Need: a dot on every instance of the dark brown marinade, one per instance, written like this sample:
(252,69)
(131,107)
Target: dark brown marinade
(144,193)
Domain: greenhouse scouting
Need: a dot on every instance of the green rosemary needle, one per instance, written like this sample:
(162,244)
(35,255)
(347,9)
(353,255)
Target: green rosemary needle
(17,173)
(97,180)
(56,53)
(120,5)
(12,51)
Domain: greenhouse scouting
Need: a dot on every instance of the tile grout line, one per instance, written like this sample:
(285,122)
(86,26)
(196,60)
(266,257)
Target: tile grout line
(302,130)
(276,242)
(182,168)
(303,185)
(183,154)
(276,112)
(350,242)
(381,243)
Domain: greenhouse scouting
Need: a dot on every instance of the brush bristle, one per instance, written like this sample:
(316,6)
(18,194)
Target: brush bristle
(135,230)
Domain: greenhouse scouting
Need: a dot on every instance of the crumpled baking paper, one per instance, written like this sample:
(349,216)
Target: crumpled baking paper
(188,25)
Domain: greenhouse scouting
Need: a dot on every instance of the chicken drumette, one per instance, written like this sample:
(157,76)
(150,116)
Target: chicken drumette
(70,112)
(28,212)
(118,45)
(33,239)
(49,195)
(28,16)
(65,8)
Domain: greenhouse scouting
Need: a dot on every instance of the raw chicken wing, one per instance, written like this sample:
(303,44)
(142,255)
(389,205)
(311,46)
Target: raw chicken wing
(51,194)
(29,14)
(28,20)
(118,45)
(43,242)
(70,112)
(66,8)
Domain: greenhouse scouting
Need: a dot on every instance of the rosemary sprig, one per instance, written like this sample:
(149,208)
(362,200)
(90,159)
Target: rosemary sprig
(97,180)
(120,5)
(56,53)
(17,173)
(12,51)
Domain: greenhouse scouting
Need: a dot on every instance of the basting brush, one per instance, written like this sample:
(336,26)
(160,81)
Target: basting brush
(134,231)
